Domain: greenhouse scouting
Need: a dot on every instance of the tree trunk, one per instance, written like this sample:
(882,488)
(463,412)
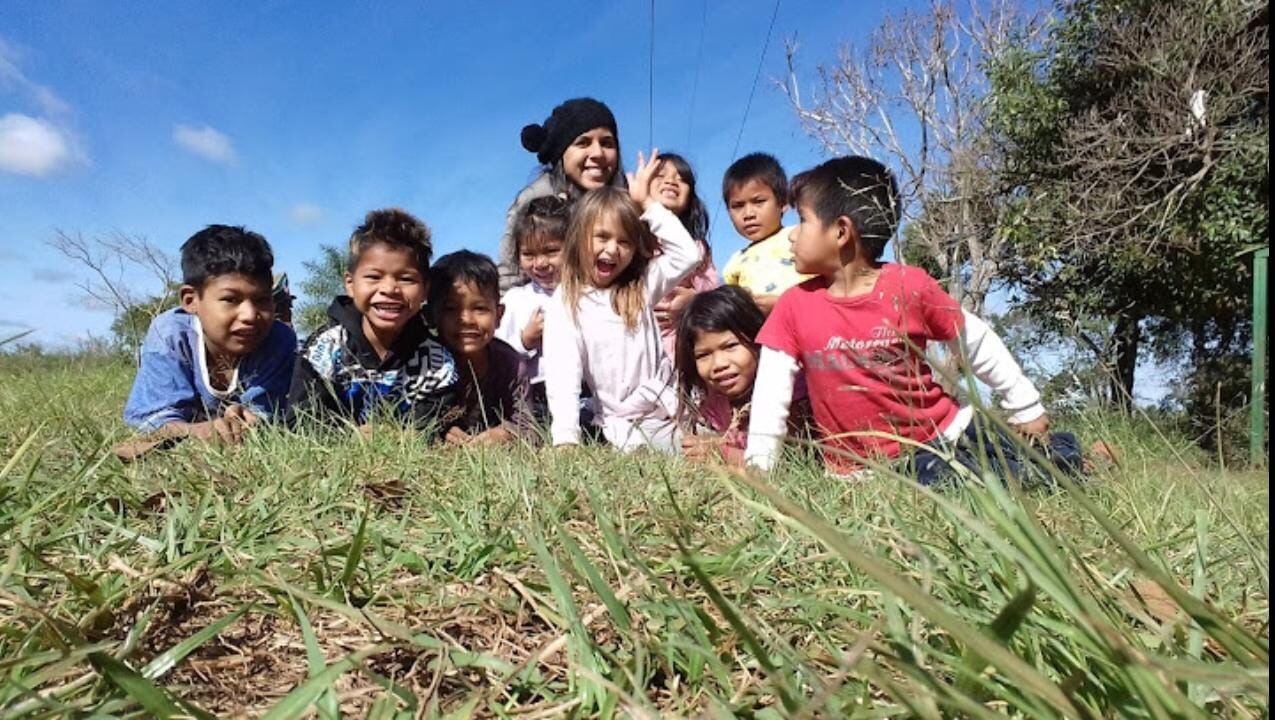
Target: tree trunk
(1127,338)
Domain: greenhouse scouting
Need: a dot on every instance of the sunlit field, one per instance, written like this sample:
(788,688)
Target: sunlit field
(343,575)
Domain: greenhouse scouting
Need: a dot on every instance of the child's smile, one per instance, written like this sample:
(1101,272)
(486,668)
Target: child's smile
(612,251)
(468,318)
(387,287)
(542,262)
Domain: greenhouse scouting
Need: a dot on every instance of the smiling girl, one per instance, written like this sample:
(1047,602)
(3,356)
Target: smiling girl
(674,187)
(578,147)
(624,251)
(716,361)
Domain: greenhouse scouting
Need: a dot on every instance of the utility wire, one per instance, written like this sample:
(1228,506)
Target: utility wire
(650,86)
(756,76)
(699,62)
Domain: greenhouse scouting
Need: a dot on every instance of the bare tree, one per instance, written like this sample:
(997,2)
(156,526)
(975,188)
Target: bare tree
(916,97)
(113,263)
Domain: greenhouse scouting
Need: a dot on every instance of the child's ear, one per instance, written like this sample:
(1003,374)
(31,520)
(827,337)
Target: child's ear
(349,284)
(847,238)
(188,296)
(500,313)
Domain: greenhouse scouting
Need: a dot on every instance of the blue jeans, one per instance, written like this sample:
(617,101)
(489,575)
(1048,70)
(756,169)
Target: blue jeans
(984,445)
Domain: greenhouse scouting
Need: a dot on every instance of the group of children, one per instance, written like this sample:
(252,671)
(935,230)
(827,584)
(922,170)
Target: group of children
(605,321)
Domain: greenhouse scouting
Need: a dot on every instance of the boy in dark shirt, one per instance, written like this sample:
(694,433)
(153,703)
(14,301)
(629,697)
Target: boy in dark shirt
(465,300)
(377,353)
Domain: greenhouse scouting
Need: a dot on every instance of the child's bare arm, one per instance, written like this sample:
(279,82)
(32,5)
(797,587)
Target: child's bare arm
(766,303)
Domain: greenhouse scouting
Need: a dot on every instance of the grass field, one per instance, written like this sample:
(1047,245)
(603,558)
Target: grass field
(345,576)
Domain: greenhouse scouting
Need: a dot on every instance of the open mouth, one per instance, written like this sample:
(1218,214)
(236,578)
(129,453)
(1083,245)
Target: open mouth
(388,312)
(669,192)
(605,269)
(245,336)
(595,174)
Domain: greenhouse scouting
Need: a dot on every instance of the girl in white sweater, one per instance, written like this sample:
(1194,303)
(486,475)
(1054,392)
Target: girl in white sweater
(624,251)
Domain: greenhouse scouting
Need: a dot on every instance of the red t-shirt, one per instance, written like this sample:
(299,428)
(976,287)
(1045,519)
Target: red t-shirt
(864,360)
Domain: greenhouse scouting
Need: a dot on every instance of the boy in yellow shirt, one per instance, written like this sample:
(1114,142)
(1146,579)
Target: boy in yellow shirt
(755,189)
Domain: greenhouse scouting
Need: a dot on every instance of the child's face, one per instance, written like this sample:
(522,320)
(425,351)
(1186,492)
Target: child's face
(610,249)
(468,318)
(591,159)
(754,210)
(541,260)
(816,246)
(235,312)
(387,288)
(671,189)
(725,363)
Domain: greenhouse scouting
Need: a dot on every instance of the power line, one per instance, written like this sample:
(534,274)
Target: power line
(756,76)
(699,61)
(650,86)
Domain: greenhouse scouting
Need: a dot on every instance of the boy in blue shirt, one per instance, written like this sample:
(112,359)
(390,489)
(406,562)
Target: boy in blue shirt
(219,362)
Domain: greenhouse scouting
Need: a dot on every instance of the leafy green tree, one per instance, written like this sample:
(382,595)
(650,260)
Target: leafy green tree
(1136,156)
(325,279)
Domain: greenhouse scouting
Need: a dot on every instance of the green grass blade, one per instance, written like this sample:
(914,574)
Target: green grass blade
(158,702)
(327,704)
(302,696)
(168,659)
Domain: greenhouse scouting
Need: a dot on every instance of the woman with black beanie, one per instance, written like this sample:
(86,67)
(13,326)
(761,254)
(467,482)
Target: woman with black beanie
(578,147)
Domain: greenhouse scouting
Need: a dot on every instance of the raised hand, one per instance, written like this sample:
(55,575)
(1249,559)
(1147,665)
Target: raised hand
(640,180)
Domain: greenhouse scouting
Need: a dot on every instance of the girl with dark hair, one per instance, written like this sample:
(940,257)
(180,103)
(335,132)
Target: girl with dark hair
(716,360)
(578,147)
(675,189)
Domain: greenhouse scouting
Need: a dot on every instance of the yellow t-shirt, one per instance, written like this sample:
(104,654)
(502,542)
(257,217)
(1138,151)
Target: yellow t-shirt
(764,267)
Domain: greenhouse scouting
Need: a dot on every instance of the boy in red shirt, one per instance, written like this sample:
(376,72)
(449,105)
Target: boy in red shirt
(859,331)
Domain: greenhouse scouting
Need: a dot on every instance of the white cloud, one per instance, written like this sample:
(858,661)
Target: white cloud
(305,213)
(32,147)
(11,76)
(205,142)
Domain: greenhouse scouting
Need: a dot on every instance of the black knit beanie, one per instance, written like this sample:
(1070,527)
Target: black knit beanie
(568,121)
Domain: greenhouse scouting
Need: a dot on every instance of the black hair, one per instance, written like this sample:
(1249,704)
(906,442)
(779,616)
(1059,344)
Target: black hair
(695,216)
(856,187)
(756,166)
(223,250)
(465,266)
(541,217)
(722,309)
(396,228)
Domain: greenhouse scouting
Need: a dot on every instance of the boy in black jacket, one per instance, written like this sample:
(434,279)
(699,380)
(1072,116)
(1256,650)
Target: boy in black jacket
(378,354)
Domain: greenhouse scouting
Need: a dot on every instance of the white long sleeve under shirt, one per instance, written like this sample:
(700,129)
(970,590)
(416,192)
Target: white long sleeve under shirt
(983,350)
(627,369)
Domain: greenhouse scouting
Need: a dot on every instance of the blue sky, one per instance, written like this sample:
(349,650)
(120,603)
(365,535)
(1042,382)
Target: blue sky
(155,119)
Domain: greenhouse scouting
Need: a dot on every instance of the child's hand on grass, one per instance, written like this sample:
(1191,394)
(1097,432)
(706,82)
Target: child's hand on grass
(702,448)
(641,179)
(1034,429)
(456,436)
